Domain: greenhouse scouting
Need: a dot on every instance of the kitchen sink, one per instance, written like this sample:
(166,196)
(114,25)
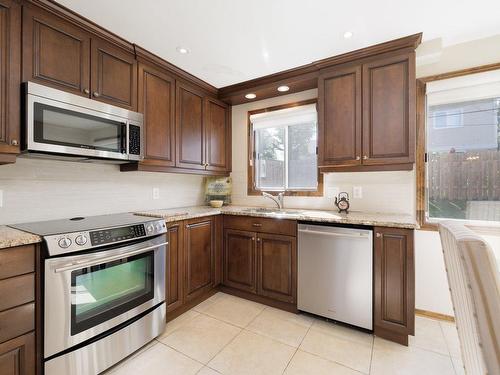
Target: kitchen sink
(273,211)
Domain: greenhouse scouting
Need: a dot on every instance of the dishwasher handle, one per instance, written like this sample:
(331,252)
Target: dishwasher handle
(335,234)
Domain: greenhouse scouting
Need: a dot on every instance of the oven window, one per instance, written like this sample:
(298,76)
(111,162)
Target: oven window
(102,292)
(69,128)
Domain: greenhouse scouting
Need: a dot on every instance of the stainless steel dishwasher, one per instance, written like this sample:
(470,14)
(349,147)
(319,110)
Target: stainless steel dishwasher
(335,268)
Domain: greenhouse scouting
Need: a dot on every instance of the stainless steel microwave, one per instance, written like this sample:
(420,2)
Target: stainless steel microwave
(61,125)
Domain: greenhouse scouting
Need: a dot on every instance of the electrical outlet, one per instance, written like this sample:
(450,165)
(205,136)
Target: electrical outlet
(357,192)
(156,193)
(332,192)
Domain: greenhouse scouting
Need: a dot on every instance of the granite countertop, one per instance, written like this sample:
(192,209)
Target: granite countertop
(10,237)
(325,216)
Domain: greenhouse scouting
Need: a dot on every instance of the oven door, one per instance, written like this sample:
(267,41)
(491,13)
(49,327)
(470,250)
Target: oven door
(86,295)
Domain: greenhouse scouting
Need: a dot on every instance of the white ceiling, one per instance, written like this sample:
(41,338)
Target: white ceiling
(231,41)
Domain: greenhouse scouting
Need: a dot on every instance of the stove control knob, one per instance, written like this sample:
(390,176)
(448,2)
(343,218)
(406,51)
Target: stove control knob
(158,227)
(64,242)
(150,228)
(81,240)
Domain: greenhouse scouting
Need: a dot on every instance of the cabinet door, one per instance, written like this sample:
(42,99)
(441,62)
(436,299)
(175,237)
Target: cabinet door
(240,260)
(389,110)
(189,128)
(55,52)
(17,356)
(157,103)
(10,65)
(175,266)
(277,267)
(340,117)
(199,257)
(394,288)
(217,135)
(114,75)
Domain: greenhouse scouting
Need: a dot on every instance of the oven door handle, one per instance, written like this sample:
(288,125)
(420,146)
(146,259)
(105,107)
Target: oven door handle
(88,263)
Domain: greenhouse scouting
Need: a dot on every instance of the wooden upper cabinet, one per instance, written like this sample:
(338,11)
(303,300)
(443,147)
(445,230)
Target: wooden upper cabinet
(56,53)
(199,253)
(114,75)
(394,284)
(217,135)
(277,265)
(10,46)
(62,55)
(240,269)
(339,94)
(189,128)
(389,110)
(157,103)
(367,114)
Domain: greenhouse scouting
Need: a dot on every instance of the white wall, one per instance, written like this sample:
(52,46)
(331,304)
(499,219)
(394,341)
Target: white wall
(43,190)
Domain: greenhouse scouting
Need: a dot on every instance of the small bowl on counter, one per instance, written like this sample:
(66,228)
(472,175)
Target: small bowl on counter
(216,203)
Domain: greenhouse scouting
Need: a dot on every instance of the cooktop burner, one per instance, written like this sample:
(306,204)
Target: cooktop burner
(78,224)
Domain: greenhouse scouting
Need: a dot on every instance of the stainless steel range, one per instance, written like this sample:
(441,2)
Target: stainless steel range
(104,292)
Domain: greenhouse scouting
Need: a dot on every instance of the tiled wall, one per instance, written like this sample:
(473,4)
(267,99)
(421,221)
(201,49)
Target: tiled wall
(42,190)
(382,191)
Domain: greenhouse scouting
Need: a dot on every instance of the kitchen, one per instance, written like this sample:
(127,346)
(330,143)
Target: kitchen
(242,291)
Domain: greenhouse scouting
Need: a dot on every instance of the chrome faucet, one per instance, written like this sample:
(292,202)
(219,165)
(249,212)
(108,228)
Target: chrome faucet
(278,199)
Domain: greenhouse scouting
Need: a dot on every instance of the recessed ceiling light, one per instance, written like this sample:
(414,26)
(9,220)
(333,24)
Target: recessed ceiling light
(283,88)
(182,50)
(348,34)
(250,96)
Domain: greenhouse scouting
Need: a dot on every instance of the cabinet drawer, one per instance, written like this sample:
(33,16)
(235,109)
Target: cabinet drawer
(263,225)
(16,261)
(17,321)
(17,291)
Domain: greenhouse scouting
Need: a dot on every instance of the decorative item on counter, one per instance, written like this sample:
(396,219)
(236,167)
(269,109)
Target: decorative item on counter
(342,202)
(216,203)
(218,188)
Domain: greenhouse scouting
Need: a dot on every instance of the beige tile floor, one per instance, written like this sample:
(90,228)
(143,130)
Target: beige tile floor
(231,336)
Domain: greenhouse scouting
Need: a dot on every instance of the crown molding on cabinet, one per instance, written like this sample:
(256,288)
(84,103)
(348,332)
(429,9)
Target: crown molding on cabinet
(305,77)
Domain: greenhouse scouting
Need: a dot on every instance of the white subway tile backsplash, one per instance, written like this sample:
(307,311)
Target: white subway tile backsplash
(45,190)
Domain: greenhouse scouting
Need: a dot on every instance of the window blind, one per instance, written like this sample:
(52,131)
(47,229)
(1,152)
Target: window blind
(465,88)
(285,117)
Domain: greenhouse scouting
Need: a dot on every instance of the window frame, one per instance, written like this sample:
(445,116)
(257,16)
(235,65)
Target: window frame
(421,162)
(251,189)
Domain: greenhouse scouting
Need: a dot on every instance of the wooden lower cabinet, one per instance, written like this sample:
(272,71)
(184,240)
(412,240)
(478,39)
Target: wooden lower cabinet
(240,260)
(17,310)
(17,356)
(175,266)
(277,267)
(199,257)
(262,264)
(394,284)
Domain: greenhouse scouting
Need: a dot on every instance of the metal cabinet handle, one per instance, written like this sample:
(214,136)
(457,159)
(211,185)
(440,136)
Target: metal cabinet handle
(365,157)
(96,94)
(256,225)
(14,142)
(86,91)
(378,235)
(84,264)
(253,238)
(358,157)
(258,239)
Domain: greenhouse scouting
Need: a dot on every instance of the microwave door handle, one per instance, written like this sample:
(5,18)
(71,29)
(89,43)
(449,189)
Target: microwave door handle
(88,263)
(124,133)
